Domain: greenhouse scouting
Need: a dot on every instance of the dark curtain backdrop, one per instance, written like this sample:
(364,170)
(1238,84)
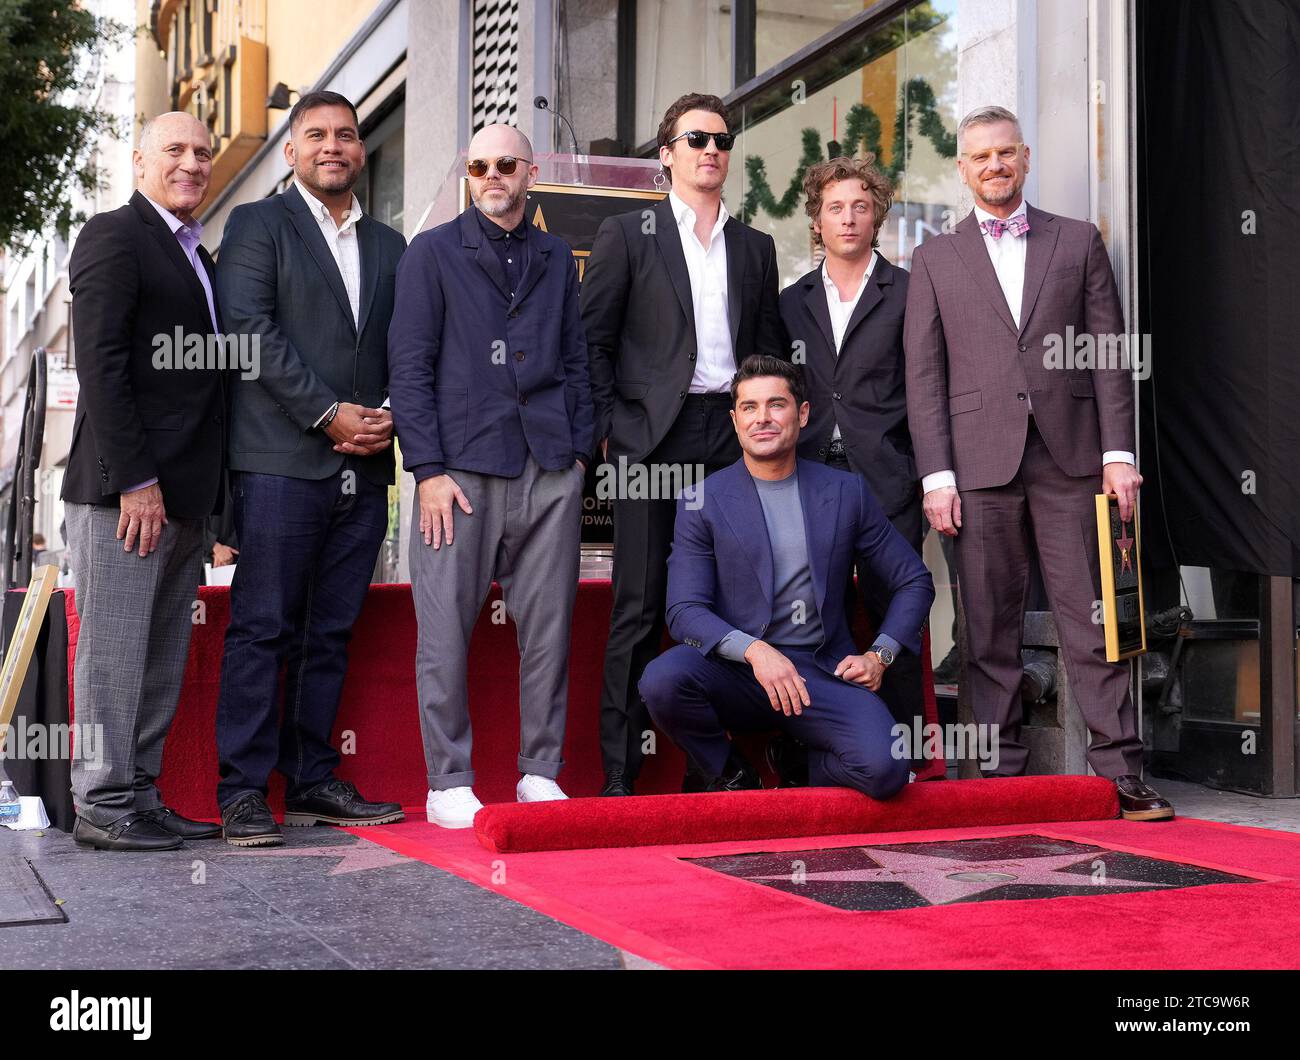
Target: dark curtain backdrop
(1219,135)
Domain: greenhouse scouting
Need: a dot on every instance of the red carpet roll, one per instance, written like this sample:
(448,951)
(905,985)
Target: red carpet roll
(653,820)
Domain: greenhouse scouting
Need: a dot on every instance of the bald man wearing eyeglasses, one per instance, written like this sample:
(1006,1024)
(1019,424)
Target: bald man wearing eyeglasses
(491,404)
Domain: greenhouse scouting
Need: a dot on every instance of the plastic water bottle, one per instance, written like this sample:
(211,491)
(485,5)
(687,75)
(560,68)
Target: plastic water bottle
(10,808)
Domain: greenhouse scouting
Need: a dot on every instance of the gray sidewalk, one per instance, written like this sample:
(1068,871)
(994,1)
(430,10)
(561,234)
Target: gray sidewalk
(329,900)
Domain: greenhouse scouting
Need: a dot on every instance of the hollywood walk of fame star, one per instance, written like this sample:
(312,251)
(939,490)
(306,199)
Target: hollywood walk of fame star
(933,877)
(355,857)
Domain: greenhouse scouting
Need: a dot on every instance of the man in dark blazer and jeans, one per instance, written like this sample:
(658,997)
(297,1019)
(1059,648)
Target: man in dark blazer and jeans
(845,323)
(493,409)
(144,472)
(309,277)
(673,298)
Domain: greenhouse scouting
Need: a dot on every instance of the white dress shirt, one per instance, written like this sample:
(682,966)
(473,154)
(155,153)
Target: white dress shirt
(1008,254)
(842,311)
(715,358)
(342,241)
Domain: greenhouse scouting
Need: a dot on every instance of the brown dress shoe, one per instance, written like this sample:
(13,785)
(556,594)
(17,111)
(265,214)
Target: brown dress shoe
(1137,802)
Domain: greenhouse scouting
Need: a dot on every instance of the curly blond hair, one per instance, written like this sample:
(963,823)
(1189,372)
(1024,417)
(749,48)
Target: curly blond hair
(874,182)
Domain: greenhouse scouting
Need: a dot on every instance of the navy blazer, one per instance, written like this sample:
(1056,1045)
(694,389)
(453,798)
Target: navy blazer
(279,281)
(720,570)
(477,379)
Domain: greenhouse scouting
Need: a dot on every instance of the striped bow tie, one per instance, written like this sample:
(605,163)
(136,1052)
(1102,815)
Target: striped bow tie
(995,226)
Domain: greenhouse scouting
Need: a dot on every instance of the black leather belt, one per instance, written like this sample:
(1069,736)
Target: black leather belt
(836,449)
(721,400)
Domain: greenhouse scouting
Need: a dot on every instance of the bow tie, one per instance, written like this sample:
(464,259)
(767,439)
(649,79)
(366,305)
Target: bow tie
(995,226)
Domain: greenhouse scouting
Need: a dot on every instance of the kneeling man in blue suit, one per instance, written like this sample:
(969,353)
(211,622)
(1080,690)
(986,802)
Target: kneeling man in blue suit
(763,643)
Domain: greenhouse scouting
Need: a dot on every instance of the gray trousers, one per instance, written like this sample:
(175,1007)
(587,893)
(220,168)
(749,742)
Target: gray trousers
(526,533)
(136,619)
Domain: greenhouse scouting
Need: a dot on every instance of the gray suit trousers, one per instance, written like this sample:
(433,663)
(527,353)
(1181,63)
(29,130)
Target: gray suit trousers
(525,533)
(136,619)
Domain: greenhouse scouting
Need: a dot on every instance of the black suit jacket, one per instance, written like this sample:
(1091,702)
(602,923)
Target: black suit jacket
(139,416)
(278,281)
(863,388)
(640,320)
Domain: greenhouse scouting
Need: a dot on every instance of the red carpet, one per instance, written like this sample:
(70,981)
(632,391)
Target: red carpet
(645,900)
(710,818)
(383,754)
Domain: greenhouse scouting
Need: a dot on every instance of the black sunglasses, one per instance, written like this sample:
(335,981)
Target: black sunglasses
(700,140)
(478,167)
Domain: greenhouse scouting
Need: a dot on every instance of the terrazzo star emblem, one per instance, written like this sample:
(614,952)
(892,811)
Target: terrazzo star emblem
(943,880)
(356,857)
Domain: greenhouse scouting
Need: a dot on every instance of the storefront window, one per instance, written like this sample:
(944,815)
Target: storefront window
(681,46)
(893,93)
(383,194)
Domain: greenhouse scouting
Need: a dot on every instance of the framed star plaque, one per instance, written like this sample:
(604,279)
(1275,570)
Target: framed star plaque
(1121,581)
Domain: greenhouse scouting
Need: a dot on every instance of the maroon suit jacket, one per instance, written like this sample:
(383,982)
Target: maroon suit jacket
(971,373)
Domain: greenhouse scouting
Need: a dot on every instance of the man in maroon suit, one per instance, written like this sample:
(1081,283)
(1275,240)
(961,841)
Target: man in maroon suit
(1008,441)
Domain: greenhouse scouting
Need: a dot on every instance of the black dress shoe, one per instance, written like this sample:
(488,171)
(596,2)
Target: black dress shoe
(616,784)
(170,821)
(788,759)
(740,780)
(694,779)
(247,822)
(1137,802)
(338,802)
(738,775)
(132,832)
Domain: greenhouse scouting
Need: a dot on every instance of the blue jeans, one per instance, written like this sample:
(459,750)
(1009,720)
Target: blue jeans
(307,550)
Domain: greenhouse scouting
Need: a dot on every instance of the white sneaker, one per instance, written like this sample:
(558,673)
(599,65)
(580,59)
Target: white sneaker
(452,808)
(532,788)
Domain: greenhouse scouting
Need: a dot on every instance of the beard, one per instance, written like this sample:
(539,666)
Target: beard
(994,197)
(499,208)
(329,181)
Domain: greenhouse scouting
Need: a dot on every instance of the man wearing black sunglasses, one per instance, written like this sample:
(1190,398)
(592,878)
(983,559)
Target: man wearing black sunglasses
(673,299)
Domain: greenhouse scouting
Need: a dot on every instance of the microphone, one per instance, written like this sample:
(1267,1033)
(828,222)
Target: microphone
(542,103)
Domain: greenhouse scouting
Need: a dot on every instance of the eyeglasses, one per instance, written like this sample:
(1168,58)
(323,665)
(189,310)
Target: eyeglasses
(700,140)
(1005,153)
(478,167)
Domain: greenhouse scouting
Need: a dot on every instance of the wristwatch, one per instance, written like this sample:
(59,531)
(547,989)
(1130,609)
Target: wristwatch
(886,654)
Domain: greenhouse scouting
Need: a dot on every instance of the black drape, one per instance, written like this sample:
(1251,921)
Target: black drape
(1218,148)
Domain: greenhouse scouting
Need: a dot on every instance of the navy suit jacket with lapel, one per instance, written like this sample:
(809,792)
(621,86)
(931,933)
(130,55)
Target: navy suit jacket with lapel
(640,320)
(136,418)
(280,283)
(863,389)
(720,570)
(480,379)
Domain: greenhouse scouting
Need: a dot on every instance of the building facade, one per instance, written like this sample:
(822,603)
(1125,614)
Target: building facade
(37,302)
